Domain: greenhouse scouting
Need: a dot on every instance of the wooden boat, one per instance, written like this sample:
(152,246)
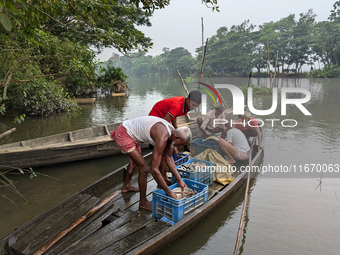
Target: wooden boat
(118,94)
(119,227)
(81,144)
(70,146)
(85,100)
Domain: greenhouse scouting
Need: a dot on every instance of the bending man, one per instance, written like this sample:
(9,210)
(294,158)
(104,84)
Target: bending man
(160,133)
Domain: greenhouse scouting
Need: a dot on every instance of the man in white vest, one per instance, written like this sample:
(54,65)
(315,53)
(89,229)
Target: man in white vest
(164,137)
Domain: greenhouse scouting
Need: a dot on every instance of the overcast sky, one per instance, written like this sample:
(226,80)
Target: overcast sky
(179,24)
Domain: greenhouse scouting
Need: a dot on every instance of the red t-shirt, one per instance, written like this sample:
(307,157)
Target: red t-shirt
(252,121)
(175,106)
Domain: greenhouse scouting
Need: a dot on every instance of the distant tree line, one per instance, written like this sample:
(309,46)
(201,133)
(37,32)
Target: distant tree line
(287,44)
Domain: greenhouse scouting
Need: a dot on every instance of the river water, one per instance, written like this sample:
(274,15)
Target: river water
(287,213)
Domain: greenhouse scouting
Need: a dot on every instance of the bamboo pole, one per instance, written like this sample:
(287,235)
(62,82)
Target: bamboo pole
(183,83)
(246,99)
(203,57)
(85,216)
(8,132)
(244,203)
(186,124)
(277,56)
(224,102)
(202,44)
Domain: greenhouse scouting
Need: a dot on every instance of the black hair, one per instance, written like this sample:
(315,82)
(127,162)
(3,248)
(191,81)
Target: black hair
(195,96)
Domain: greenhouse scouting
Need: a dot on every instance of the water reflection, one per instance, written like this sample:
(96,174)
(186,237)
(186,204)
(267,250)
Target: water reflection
(217,234)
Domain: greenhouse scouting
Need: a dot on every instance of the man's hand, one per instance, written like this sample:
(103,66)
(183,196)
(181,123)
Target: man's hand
(172,194)
(207,133)
(182,185)
(175,151)
(261,147)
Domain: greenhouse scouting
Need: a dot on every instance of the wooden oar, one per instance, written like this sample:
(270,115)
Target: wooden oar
(244,203)
(85,216)
(186,124)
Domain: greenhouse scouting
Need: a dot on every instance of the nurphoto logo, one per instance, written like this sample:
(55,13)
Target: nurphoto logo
(238,103)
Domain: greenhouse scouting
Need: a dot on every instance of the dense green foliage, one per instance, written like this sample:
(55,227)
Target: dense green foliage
(110,76)
(47,47)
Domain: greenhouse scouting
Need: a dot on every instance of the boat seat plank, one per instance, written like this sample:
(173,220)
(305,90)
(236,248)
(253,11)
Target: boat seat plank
(83,230)
(134,240)
(55,215)
(55,228)
(105,236)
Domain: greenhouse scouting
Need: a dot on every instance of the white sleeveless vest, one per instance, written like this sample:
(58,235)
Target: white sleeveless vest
(139,128)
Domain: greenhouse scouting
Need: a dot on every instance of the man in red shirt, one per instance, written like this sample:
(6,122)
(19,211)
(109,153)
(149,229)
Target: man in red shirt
(170,108)
(251,128)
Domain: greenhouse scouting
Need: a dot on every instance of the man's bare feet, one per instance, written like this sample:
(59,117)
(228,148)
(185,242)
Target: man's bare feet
(146,205)
(130,188)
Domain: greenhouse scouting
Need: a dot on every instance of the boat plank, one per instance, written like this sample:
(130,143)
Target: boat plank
(53,229)
(130,242)
(84,233)
(106,236)
(71,245)
(152,185)
(84,229)
(213,189)
(39,226)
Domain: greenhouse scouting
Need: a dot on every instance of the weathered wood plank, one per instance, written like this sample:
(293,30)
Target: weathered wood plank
(126,217)
(82,231)
(56,215)
(152,185)
(105,236)
(135,239)
(53,229)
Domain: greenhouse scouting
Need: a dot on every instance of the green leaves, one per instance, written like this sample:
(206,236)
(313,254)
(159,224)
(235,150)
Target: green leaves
(33,174)
(5,21)
(19,119)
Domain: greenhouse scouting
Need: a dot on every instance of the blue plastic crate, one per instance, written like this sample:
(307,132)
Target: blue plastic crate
(199,145)
(204,176)
(180,159)
(175,209)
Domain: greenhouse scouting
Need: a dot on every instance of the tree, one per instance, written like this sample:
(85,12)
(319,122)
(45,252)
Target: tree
(179,59)
(112,78)
(301,41)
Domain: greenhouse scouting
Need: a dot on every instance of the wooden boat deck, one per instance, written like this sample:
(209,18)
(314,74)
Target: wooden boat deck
(117,228)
